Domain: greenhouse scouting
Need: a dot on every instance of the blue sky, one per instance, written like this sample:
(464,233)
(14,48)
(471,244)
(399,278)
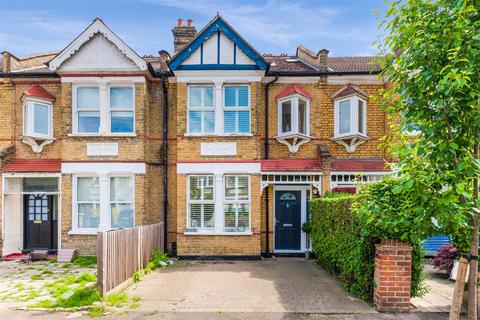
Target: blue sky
(345,27)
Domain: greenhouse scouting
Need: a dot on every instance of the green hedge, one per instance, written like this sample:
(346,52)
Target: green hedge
(340,245)
(344,245)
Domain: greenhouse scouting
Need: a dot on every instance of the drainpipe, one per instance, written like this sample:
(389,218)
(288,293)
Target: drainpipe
(267,253)
(165,161)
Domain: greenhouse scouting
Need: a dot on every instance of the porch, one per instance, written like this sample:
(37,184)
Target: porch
(30,211)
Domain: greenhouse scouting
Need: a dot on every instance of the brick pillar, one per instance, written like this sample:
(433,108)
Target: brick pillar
(393,276)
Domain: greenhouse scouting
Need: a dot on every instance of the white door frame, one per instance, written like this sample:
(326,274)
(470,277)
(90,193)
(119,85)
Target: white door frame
(303,214)
(58,199)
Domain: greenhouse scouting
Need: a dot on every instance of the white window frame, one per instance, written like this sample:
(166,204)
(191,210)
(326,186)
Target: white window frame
(236,201)
(132,181)
(29,118)
(75,215)
(104,107)
(294,130)
(190,201)
(110,109)
(202,109)
(104,202)
(354,128)
(236,109)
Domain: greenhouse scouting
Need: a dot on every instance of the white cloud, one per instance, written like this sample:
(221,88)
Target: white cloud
(275,23)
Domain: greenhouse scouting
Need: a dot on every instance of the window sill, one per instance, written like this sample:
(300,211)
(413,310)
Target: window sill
(99,135)
(292,135)
(351,135)
(217,233)
(82,232)
(236,135)
(34,137)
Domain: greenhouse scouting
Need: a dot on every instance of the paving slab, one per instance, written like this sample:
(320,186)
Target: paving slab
(284,285)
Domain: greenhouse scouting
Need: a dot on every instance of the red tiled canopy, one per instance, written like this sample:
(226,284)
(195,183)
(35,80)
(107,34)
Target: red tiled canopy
(359,165)
(39,92)
(290,165)
(38,165)
(293,89)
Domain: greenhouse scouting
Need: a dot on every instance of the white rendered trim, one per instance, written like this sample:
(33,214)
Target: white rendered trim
(218,168)
(97,26)
(103,167)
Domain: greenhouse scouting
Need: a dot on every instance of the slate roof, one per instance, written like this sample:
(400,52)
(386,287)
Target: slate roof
(286,64)
(31,63)
(36,63)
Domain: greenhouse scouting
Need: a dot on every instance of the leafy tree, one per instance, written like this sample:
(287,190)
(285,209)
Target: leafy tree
(431,56)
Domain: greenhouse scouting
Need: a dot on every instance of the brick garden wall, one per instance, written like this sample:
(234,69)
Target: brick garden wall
(393,276)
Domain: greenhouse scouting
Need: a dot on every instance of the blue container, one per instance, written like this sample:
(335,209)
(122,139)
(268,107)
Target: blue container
(432,244)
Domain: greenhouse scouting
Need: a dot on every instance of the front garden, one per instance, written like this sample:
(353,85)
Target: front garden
(71,287)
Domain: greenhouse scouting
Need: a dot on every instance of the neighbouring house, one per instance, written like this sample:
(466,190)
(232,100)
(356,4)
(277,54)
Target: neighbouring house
(222,143)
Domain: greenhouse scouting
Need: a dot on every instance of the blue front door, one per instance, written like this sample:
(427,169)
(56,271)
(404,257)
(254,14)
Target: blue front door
(288,211)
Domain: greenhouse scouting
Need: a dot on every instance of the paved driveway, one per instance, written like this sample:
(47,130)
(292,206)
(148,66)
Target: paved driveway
(287,285)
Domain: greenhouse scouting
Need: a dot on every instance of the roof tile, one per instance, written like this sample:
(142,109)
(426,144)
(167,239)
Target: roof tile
(290,165)
(39,92)
(293,89)
(359,165)
(37,165)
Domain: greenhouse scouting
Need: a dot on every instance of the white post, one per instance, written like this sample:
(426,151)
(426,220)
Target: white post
(218,203)
(105,216)
(218,108)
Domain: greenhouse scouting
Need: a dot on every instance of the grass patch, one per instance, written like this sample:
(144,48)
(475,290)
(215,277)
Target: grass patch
(71,292)
(35,277)
(117,299)
(85,261)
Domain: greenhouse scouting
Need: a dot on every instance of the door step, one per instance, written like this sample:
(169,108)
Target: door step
(66,255)
(39,255)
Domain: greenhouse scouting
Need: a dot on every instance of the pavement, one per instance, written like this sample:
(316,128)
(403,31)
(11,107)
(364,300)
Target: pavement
(21,315)
(439,297)
(273,289)
(283,285)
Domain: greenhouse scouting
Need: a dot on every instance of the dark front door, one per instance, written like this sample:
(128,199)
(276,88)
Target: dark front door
(288,209)
(40,222)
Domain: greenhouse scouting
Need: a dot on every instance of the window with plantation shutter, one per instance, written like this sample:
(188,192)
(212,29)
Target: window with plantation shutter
(236,112)
(237,203)
(201,202)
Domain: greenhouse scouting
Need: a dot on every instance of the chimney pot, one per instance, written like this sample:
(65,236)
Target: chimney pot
(182,34)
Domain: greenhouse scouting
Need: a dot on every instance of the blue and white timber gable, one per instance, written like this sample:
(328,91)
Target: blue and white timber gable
(218,47)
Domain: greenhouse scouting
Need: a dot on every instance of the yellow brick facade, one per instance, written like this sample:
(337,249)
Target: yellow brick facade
(143,148)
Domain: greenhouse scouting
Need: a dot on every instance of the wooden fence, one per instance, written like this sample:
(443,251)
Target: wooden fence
(120,253)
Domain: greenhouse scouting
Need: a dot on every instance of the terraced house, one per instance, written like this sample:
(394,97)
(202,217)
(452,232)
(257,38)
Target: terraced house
(224,144)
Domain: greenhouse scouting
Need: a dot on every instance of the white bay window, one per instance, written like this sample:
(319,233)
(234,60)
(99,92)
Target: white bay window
(350,116)
(37,119)
(293,115)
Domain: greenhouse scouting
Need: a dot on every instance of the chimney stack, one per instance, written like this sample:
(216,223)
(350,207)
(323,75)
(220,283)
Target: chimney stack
(322,58)
(182,34)
(6,62)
